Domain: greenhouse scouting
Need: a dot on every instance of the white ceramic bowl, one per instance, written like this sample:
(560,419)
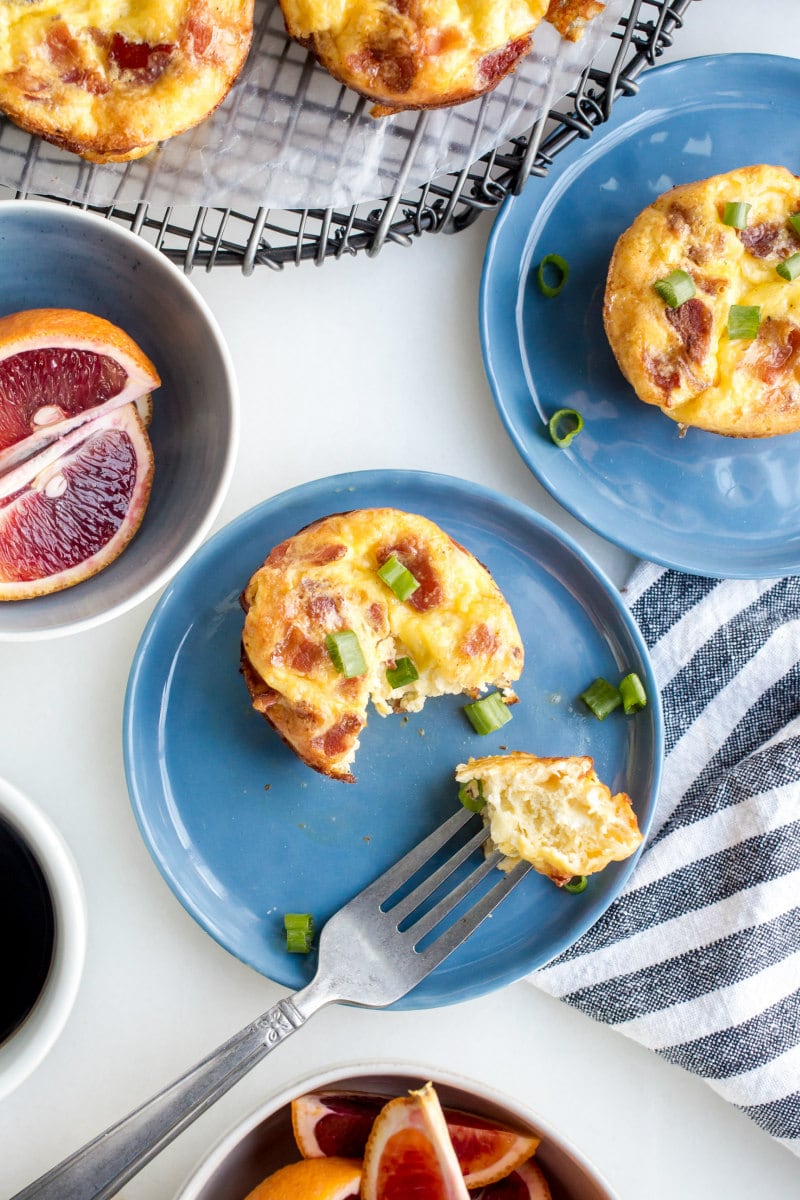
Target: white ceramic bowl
(54,256)
(25,1048)
(263,1142)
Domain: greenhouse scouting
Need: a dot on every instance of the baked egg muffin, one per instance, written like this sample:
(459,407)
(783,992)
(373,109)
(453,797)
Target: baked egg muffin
(726,356)
(110,79)
(551,812)
(426,53)
(426,618)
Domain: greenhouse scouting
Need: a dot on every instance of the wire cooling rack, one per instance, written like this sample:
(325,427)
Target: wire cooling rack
(210,237)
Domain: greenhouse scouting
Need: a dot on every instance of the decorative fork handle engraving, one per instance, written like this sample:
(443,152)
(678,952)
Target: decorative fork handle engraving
(279,1023)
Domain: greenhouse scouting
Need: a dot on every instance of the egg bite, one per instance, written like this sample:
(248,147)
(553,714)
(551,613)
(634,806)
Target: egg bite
(726,357)
(554,813)
(110,79)
(426,53)
(454,628)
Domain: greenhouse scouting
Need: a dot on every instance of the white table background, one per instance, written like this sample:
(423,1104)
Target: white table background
(328,348)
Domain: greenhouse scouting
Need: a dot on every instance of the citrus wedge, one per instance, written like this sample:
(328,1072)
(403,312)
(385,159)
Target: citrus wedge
(312,1179)
(58,368)
(340,1123)
(409,1152)
(525,1183)
(69,511)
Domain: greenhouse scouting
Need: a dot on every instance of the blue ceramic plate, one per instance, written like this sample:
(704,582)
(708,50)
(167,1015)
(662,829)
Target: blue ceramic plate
(703,503)
(244,832)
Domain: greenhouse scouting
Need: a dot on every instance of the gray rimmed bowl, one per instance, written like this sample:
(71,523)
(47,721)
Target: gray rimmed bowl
(263,1141)
(54,256)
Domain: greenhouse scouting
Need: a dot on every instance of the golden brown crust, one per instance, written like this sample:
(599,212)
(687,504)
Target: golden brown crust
(110,82)
(456,627)
(682,360)
(417,54)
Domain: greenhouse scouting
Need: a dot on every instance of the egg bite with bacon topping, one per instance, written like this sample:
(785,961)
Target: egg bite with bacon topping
(723,354)
(412,54)
(110,79)
(426,617)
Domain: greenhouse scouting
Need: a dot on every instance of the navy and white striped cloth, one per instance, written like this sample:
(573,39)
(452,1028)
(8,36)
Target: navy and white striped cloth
(699,957)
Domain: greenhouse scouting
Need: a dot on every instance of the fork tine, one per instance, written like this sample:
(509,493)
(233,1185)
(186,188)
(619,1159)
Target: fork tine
(461,929)
(428,885)
(384,887)
(435,915)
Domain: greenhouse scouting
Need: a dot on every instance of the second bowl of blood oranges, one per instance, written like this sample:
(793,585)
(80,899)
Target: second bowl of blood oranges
(369,1125)
(100,505)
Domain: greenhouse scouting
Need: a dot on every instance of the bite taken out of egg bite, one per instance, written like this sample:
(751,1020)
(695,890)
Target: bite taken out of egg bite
(375,605)
(721,351)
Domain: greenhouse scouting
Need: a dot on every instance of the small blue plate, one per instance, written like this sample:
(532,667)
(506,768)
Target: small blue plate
(243,832)
(703,503)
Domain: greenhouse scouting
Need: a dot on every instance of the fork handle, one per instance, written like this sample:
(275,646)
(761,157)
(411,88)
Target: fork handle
(102,1166)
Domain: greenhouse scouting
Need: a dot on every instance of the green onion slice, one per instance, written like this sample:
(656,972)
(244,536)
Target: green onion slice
(471,795)
(398,578)
(794,221)
(488,713)
(564,425)
(401,673)
(552,273)
(790,267)
(345,652)
(601,697)
(743,320)
(576,884)
(634,697)
(735,214)
(676,288)
(299,928)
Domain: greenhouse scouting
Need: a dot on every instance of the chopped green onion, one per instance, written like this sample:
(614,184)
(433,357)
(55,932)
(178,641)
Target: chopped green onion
(564,425)
(345,652)
(676,288)
(398,578)
(790,267)
(601,697)
(576,884)
(401,673)
(299,928)
(633,694)
(735,214)
(794,221)
(554,267)
(743,320)
(471,795)
(488,714)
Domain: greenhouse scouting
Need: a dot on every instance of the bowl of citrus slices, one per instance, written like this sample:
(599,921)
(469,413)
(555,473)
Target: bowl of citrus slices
(392,1131)
(118,419)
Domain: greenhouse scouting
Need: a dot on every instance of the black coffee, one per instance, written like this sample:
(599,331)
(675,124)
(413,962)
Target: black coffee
(27,930)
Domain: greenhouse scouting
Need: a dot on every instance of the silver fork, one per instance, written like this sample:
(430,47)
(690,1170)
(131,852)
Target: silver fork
(370,954)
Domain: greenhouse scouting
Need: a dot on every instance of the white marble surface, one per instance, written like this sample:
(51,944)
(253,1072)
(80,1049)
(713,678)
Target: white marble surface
(329,348)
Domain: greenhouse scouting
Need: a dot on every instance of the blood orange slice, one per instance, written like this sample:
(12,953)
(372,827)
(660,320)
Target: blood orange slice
(409,1152)
(312,1179)
(340,1123)
(58,368)
(69,511)
(525,1183)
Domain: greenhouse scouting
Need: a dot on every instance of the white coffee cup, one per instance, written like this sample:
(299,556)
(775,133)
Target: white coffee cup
(25,1047)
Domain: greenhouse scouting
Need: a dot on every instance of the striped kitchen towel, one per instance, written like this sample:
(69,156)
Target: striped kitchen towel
(699,957)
